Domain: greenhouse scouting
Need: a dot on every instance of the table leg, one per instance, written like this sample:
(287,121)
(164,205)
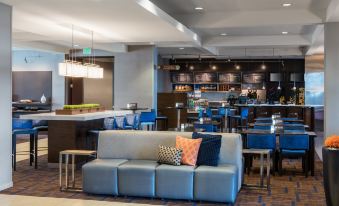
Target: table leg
(73,169)
(261,170)
(60,171)
(178,118)
(66,170)
(268,162)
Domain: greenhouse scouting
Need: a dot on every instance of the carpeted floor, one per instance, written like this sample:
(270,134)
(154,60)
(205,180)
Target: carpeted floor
(290,189)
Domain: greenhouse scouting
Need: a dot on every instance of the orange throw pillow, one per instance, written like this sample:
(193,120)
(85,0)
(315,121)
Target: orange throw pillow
(190,148)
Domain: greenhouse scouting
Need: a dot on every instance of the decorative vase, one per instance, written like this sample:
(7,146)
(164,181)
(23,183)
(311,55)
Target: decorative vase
(43,99)
(331,175)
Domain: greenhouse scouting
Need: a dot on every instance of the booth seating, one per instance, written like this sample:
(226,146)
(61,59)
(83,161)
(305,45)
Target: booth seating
(126,165)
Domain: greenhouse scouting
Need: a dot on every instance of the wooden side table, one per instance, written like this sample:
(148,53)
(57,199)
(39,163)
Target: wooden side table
(67,154)
(262,153)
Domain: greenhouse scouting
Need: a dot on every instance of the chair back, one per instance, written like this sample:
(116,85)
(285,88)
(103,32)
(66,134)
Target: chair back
(119,122)
(222,111)
(209,112)
(262,127)
(244,112)
(109,123)
(21,124)
(147,116)
(130,119)
(261,141)
(294,142)
(294,127)
(205,127)
(201,113)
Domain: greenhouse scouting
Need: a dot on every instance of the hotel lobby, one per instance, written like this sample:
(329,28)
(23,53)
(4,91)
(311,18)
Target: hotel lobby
(169,102)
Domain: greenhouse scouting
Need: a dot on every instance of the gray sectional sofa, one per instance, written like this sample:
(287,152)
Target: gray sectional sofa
(127,165)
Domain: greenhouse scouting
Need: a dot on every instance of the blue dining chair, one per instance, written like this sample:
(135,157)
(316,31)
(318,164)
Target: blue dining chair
(209,112)
(221,114)
(294,146)
(294,127)
(241,118)
(25,127)
(262,127)
(132,121)
(93,134)
(206,127)
(120,122)
(147,119)
(262,141)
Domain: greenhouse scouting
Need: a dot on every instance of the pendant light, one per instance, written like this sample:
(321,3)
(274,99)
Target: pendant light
(94,71)
(294,86)
(279,88)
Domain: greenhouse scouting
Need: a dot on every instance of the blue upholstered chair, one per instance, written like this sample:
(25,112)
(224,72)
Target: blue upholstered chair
(241,118)
(262,127)
(93,134)
(147,119)
(209,112)
(261,141)
(20,126)
(120,122)
(221,114)
(294,127)
(132,121)
(294,146)
(206,127)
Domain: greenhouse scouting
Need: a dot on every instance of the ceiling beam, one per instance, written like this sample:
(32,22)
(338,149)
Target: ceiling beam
(152,8)
(253,41)
(240,19)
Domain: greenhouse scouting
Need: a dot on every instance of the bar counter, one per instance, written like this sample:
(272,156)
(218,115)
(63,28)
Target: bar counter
(67,132)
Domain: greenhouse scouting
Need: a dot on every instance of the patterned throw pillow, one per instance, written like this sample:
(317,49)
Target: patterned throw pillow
(190,149)
(169,155)
(209,149)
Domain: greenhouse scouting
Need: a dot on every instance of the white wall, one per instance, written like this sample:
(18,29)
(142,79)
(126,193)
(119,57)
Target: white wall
(5,96)
(331,78)
(27,60)
(134,77)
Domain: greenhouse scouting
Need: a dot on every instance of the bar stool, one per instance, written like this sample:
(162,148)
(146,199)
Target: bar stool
(20,126)
(241,118)
(147,119)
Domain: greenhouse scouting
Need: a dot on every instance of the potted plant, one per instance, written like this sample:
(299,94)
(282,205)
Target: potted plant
(331,170)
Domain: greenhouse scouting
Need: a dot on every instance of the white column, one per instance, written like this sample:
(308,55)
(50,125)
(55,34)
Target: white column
(331,79)
(5,96)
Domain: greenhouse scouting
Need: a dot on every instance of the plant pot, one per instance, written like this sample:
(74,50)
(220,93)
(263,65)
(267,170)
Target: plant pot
(331,175)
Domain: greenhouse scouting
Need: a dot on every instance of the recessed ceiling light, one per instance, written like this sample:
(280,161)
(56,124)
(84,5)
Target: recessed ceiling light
(199,8)
(181,48)
(284,32)
(223,34)
(214,67)
(286,4)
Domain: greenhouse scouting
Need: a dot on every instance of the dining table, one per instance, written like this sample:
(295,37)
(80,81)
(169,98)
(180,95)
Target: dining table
(280,124)
(312,135)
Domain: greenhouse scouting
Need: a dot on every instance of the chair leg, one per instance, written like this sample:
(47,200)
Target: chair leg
(31,150)
(306,165)
(273,163)
(36,140)
(280,165)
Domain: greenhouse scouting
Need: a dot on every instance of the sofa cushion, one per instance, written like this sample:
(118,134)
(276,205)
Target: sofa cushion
(137,178)
(209,149)
(219,184)
(169,155)
(190,149)
(174,182)
(101,176)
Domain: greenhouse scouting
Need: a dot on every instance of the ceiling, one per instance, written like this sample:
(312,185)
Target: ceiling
(250,27)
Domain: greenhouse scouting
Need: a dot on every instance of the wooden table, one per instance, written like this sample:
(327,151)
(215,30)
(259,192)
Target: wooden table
(311,135)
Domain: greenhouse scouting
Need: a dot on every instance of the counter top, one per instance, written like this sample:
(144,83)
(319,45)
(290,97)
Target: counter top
(77,117)
(275,105)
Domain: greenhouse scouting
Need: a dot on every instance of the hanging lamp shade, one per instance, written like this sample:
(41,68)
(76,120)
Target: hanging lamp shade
(95,72)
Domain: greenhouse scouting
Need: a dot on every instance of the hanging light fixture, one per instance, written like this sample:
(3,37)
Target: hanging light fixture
(294,86)
(263,66)
(263,86)
(72,68)
(279,86)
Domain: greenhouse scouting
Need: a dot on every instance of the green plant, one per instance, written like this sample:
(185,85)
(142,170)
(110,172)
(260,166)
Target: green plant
(82,106)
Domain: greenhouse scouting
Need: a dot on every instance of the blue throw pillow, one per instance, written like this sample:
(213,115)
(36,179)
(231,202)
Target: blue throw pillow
(209,149)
